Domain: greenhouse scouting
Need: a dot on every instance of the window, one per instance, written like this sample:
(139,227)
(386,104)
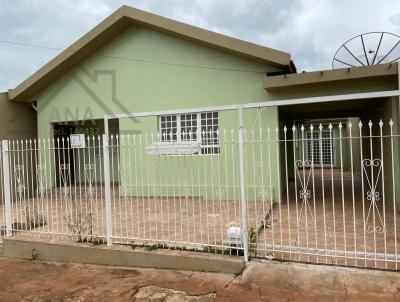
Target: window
(188,127)
(192,127)
(209,133)
(169,128)
(327,144)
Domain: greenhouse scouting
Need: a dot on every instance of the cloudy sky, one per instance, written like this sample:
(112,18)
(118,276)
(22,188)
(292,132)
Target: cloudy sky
(311,30)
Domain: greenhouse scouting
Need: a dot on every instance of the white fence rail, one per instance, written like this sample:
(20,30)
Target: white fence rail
(323,193)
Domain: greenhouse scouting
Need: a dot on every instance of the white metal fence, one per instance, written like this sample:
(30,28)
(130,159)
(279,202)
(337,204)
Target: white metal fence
(323,193)
(338,197)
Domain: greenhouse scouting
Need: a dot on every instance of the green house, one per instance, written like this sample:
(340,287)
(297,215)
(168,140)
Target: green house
(176,99)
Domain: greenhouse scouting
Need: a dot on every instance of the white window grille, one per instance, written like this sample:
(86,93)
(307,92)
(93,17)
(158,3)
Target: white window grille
(188,131)
(193,127)
(327,144)
(168,128)
(209,133)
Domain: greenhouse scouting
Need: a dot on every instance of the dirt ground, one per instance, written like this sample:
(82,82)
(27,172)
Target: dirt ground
(269,281)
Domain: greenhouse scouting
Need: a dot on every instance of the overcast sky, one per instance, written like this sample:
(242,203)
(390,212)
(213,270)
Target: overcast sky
(311,30)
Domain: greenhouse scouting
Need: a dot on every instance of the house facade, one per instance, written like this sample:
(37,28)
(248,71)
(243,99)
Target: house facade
(169,94)
(138,62)
(150,63)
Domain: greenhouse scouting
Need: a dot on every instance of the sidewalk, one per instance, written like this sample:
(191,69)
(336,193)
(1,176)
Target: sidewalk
(270,281)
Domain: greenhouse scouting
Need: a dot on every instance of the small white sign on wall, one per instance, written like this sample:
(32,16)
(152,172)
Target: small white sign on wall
(77,140)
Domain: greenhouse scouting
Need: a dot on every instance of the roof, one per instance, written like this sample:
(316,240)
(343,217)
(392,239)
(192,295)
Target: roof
(117,22)
(331,76)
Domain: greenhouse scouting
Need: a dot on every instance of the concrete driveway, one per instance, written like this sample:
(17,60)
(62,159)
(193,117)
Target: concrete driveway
(269,281)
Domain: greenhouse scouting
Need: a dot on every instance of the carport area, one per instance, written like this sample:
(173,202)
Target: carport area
(339,170)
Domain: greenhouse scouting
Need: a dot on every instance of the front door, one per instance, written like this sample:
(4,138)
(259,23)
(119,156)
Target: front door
(65,172)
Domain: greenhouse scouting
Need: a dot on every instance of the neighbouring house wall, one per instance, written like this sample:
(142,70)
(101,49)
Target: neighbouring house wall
(143,70)
(17,123)
(17,120)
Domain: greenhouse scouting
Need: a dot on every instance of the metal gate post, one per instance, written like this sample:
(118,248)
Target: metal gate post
(6,187)
(107,188)
(242,182)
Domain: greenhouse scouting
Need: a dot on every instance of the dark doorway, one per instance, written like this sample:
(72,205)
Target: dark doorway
(64,157)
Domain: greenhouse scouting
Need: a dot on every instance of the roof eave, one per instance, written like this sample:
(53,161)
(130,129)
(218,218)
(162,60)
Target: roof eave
(330,76)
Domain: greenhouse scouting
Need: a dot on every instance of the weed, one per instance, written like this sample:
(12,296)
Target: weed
(93,240)
(252,241)
(79,221)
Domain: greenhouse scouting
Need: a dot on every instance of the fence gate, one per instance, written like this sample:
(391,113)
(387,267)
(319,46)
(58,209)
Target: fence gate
(338,191)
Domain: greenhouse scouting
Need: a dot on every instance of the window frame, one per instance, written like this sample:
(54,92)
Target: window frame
(198,132)
(332,144)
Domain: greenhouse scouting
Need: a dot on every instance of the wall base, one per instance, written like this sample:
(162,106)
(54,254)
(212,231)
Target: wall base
(120,256)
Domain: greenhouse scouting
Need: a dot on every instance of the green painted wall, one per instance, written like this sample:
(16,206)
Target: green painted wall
(211,176)
(163,72)
(138,86)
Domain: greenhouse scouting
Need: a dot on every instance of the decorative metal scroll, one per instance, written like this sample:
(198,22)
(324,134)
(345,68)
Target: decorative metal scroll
(64,173)
(185,192)
(373,221)
(20,185)
(262,173)
(261,167)
(306,219)
(220,192)
(154,171)
(89,171)
(41,189)
(124,192)
(187,208)
(219,178)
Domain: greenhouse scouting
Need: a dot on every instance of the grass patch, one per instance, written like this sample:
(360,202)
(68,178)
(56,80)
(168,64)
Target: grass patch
(92,240)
